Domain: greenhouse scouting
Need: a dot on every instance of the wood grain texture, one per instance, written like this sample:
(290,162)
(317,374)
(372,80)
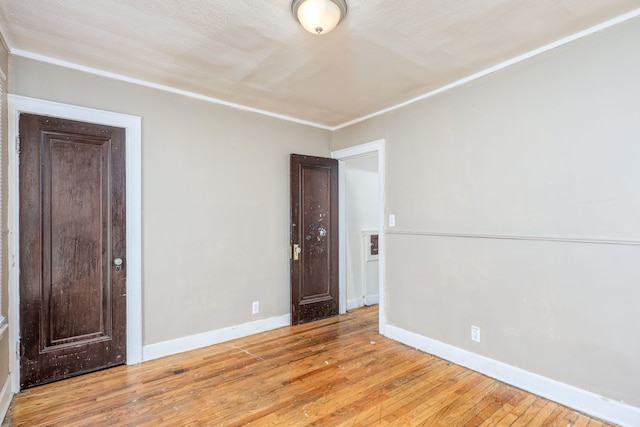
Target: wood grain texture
(72,225)
(333,372)
(314,227)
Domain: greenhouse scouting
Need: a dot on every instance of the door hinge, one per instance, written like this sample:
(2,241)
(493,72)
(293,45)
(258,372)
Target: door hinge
(18,144)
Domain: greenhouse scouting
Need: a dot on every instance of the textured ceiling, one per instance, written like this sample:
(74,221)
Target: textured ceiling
(254,53)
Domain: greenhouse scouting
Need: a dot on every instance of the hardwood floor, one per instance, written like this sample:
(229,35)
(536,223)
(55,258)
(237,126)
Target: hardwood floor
(329,373)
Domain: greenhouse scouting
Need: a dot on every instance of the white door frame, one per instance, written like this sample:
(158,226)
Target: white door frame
(132,124)
(342,155)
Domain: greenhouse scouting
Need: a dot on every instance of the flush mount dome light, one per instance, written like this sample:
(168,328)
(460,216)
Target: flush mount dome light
(319,16)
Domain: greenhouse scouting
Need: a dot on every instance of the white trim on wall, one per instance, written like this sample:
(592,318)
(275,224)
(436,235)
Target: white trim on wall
(573,397)
(354,303)
(192,342)
(498,67)
(43,58)
(6,395)
(372,299)
(367,300)
(3,120)
(343,304)
(132,124)
(538,238)
(194,95)
(342,155)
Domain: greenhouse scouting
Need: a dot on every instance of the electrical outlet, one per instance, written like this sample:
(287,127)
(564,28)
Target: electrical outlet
(255,307)
(475,334)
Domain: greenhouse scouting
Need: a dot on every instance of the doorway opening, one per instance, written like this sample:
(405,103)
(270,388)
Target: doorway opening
(358,167)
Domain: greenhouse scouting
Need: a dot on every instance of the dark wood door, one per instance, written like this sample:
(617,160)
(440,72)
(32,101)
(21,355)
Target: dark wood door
(72,236)
(314,238)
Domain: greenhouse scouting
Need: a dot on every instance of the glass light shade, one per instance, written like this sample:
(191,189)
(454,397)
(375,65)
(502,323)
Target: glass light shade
(319,16)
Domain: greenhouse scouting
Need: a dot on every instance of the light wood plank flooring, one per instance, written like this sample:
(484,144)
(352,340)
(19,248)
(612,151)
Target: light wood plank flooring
(333,372)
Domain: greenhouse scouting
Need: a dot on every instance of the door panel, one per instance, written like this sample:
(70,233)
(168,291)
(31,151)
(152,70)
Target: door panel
(314,238)
(72,226)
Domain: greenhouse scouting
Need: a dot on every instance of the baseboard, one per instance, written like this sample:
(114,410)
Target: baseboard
(361,302)
(192,342)
(5,398)
(573,397)
(372,299)
(354,303)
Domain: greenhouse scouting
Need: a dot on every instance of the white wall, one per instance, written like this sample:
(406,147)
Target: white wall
(518,210)
(361,188)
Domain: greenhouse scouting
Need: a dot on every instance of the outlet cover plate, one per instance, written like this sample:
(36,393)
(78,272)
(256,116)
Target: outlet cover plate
(475,333)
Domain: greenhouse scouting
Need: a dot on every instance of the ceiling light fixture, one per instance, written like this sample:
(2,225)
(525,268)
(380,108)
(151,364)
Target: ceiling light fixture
(319,16)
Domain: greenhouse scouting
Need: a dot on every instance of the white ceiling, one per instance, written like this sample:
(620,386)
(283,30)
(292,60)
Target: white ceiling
(254,53)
